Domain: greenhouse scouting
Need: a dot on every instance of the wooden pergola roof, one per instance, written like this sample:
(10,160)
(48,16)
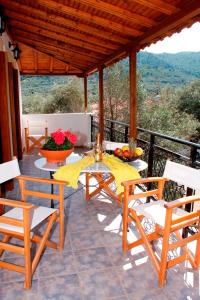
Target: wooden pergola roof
(79,36)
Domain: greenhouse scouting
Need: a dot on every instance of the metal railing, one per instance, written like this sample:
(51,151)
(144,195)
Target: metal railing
(157,149)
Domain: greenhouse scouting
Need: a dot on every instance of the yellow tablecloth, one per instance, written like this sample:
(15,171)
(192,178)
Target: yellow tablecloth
(120,170)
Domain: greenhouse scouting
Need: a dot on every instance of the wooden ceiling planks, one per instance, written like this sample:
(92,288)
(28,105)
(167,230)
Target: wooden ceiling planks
(33,62)
(87,34)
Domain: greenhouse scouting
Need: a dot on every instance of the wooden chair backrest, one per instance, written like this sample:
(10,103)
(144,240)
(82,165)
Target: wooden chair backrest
(9,170)
(183,175)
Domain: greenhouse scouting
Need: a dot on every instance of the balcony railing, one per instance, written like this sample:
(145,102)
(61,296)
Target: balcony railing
(157,149)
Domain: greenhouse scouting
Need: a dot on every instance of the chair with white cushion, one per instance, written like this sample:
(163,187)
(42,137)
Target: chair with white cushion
(23,219)
(36,134)
(170,218)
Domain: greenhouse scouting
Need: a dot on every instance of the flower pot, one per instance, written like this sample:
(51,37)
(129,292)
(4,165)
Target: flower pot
(56,156)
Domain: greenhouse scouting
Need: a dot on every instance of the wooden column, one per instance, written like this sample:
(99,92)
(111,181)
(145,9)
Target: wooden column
(17,112)
(5,128)
(85,95)
(133,94)
(5,122)
(101,105)
(12,109)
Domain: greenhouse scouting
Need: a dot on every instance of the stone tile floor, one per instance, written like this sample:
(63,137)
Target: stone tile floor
(92,266)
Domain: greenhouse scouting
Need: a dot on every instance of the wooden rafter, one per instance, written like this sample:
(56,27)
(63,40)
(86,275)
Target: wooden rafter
(118,12)
(158,5)
(56,19)
(175,20)
(60,30)
(51,51)
(88,17)
(58,36)
(71,50)
(171,22)
(92,34)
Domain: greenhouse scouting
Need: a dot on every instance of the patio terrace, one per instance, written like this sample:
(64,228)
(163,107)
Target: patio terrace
(92,266)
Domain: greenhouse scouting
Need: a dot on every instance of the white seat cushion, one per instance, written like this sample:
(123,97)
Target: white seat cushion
(37,215)
(156,211)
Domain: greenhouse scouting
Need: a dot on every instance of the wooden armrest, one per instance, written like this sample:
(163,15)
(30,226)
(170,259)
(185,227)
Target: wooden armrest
(14,203)
(182,201)
(42,180)
(143,180)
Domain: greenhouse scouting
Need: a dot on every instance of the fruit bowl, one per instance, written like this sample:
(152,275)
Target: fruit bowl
(125,154)
(128,159)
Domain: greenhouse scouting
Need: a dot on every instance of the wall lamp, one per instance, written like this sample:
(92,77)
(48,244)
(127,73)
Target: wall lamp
(16,51)
(2,22)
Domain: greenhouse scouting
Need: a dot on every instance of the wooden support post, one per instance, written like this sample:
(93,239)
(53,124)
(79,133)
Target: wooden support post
(85,95)
(133,94)
(12,109)
(17,112)
(5,120)
(101,105)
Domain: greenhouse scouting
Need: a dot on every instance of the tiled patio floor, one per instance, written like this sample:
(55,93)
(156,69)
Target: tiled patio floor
(92,266)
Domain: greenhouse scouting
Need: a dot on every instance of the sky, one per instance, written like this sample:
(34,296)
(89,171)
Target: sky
(187,40)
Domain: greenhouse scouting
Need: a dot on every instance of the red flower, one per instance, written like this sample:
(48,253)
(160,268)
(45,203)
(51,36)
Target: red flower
(72,138)
(58,136)
(67,133)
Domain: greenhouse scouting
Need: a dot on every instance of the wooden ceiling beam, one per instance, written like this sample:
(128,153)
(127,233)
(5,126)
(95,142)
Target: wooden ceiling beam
(51,51)
(46,72)
(59,30)
(55,19)
(88,17)
(117,11)
(158,5)
(189,11)
(58,37)
(88,57)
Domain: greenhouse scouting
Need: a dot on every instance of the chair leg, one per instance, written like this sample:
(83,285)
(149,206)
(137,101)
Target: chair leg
(125,222)
(42,244)
(165,248)
(28,270)
(197,254)
(5,239)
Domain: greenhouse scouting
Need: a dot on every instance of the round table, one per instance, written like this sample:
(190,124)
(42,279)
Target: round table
(97,167)
(42,164)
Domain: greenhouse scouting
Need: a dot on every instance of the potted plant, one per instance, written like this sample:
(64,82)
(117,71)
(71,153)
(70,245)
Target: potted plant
(58,146)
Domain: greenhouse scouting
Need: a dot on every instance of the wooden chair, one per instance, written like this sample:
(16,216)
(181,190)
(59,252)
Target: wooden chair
(169,217)
(35,140)
(24,218)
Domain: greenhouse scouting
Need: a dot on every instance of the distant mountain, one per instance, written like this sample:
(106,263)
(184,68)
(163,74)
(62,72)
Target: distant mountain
(159,70)
(155,70)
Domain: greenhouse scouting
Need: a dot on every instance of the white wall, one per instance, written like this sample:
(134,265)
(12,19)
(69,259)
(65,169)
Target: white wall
(78,123)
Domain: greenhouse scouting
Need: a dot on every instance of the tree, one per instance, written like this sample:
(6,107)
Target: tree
(34,104)
(189,99)
(162,115)
(66,98)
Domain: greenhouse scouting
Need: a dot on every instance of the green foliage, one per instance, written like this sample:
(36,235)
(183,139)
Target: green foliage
(60,99)
(116,92)
(66,98)
(189,99)
(34,104)
(175,70)
(163,115)
(51,145)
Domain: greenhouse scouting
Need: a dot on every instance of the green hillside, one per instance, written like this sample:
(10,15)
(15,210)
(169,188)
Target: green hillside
(155,70)
(175,70)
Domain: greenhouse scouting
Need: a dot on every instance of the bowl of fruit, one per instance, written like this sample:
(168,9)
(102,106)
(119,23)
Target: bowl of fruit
(128,154)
